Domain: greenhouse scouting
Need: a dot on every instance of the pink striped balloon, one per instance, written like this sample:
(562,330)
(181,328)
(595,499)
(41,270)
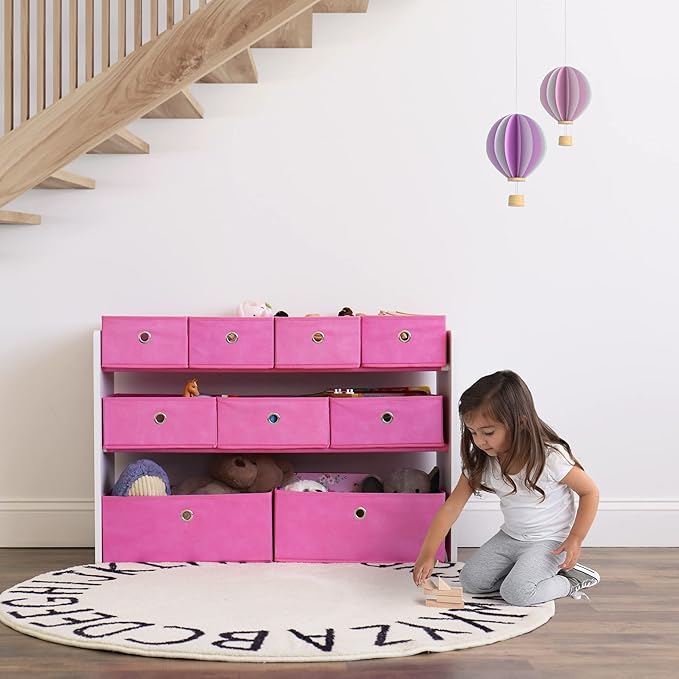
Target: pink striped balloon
(565,94)
(515,145)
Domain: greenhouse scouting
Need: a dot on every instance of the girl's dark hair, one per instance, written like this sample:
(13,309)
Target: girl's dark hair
(505,398)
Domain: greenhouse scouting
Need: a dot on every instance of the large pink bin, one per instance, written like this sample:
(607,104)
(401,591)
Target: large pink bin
(230,342)
(263,423)
(402,422)
(403,341)
(318,342)
(159,422)
(234,527)
(138,342)
(352,527)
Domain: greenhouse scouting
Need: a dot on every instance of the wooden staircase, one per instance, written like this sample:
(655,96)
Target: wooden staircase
(210,43)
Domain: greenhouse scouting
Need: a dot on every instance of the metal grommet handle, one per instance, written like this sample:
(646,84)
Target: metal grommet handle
(186,515)
(360,513)
(387,417)
(231,337)
(405,336)
(318,337)
(160,418)
(273,418)
(144,336)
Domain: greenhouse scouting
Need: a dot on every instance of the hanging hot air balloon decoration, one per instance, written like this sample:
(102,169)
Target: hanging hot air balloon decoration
(565,93)
(515,145)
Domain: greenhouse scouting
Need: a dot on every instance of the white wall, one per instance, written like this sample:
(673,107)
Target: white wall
(355,174)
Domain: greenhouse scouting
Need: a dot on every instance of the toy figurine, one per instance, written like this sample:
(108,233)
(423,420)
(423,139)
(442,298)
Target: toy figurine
(191,388)
(250,308)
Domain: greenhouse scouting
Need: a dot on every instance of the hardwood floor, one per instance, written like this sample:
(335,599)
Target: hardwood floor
(629,628)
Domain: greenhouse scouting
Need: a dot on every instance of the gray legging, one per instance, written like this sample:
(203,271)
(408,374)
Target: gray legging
(524,572)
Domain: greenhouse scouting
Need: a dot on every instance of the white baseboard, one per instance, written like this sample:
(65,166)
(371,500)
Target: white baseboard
(46,523)
(619,523)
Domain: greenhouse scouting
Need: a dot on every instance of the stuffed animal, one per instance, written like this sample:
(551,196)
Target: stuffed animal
(252,473)
(404,480)
(250,308)
(203,485)
(143,477)
(306,486)
(191,388)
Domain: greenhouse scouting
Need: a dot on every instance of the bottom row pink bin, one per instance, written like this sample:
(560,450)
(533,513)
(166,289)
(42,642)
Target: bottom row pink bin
(352,527)
(233,527)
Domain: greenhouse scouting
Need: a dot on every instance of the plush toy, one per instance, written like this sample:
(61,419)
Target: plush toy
(203,485)
(250,308)
(252,473)
(143,477)
(306,486)
(404,480)
(191,388)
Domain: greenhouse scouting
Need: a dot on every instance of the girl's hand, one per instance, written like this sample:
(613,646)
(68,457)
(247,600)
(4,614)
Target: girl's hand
(422,569)
(571,545)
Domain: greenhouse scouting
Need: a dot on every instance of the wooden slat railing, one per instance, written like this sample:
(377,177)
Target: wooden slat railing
(77,40)
(150,75)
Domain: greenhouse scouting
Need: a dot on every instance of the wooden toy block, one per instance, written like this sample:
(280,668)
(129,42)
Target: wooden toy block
(444,596)
(449,604)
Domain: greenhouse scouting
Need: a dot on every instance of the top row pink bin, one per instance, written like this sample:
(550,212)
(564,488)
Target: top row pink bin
(288,343)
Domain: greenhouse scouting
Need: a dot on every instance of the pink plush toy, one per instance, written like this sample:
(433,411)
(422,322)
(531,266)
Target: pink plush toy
(250,308)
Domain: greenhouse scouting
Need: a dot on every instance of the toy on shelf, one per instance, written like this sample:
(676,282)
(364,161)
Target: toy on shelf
(404,480)
(444,596)
(250,308)
(305,486)
(191,388)
(143,477)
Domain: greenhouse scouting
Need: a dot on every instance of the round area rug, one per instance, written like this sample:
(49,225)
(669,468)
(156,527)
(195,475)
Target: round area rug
(257,612)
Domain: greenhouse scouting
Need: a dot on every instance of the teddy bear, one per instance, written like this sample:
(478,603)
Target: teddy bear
(235,473)
(404,480)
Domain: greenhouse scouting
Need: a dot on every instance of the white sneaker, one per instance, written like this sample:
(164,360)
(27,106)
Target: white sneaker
(580,578)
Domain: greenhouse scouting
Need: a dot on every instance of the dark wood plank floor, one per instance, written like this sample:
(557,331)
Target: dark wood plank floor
(629,628)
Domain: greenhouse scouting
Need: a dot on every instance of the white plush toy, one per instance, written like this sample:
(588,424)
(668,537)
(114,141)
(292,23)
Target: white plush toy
(306,486)
(250,308)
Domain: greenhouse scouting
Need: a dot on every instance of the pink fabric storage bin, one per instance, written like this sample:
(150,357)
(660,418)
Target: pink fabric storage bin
(387,421)
(352,527)
(144,342)
(318,342)
(402,341)
(272,423)
(230,342)
(159,422)
(188,528)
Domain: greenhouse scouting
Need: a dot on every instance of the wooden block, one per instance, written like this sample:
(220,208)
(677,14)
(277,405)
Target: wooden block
(436,604)
(9,217)
(443,584)
(240,69)
(182,105)
(123,141)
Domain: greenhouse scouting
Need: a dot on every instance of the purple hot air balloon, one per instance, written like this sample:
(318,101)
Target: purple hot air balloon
(515,145)
(565,94)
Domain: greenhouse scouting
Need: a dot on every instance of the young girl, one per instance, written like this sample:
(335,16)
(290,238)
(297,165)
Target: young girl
(508,450)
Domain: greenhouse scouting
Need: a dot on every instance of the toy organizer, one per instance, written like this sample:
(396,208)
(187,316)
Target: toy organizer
(267,386)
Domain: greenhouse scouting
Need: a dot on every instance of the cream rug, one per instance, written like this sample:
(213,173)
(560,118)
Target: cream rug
(269,612)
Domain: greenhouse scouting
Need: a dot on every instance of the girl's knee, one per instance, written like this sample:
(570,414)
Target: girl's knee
(473,580)
(518,593)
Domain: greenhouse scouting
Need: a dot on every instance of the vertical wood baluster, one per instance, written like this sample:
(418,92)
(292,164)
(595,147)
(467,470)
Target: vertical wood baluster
(187,8)
(203,3)
(73,45)
(122,29)
(154,18)
(89,39)
(56,51)
(137,24)
(105,34)
(170,13)
(25,60)
(40,53)
(8,74)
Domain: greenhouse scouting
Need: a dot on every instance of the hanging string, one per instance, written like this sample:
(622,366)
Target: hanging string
(565,62)
(516,55)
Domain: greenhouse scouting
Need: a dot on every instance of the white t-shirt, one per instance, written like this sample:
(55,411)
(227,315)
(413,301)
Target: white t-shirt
(527,517)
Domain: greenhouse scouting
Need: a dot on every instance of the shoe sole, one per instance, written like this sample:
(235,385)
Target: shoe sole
(588,571)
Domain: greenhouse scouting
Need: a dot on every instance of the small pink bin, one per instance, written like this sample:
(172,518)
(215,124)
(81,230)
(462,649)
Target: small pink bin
(318,342)
(188,528)
(138,342)
(352,527)
(263,423)
(231,342)
(402,422)
(159,422)
(403,341)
